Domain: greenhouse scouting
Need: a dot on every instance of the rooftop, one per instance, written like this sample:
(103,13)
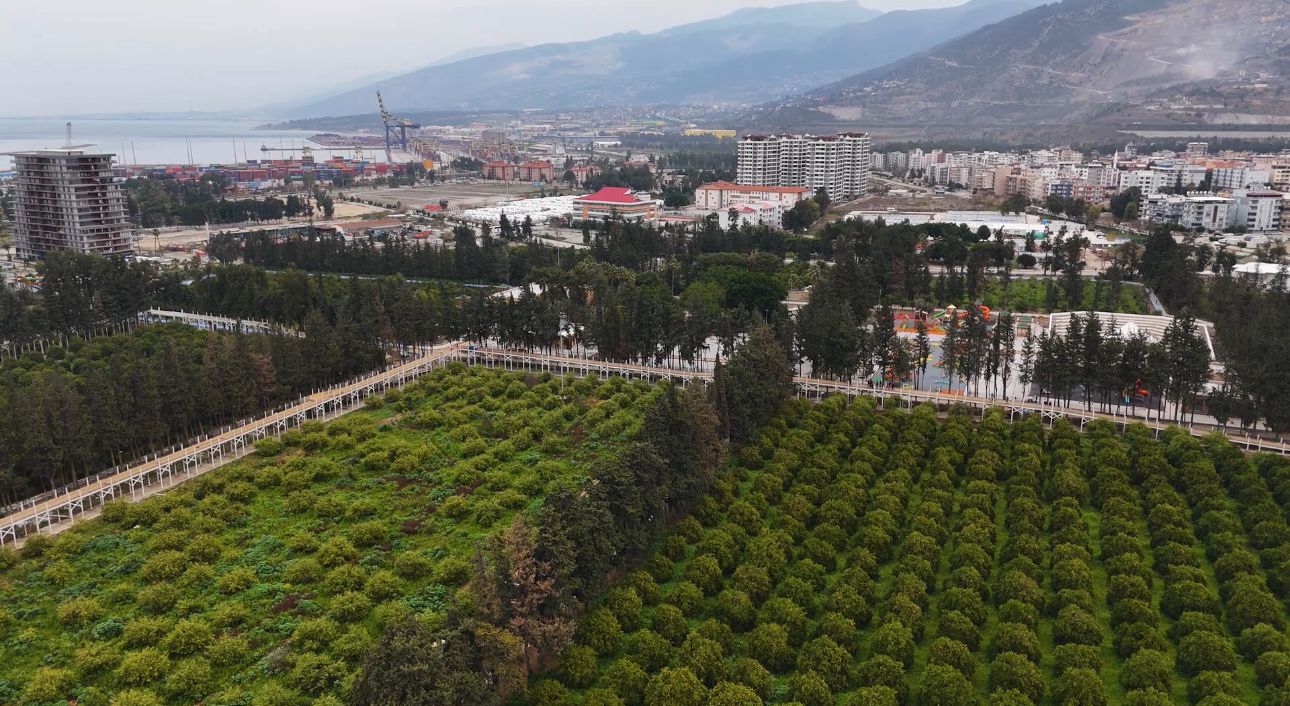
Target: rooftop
(611,194)
(728,186)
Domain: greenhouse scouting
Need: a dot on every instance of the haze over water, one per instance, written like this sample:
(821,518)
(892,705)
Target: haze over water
(154,141)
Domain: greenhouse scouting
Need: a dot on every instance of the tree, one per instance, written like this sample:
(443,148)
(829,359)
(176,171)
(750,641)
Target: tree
(1012,671)
(946,686)
(1079,687)
(400,670)
(729,694)
(755,383)
(675,686)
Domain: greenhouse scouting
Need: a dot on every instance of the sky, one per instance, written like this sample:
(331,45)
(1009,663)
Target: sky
(64,57)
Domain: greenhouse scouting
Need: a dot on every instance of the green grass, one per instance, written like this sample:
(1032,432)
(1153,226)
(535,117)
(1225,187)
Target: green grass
(264,582)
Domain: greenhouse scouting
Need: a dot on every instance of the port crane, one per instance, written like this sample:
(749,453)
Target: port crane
(395,128)
(396,131)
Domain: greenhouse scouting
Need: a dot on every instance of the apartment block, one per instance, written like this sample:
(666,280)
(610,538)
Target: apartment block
(68,199)
(839,164)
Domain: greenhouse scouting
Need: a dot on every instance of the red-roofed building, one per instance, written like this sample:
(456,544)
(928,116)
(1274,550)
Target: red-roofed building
(502,171)
(721,195)
(537,171)
(432,208)
(613,202)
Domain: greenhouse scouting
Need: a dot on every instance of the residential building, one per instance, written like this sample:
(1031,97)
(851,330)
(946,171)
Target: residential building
(1197,149)
(722,194)
(839,164)
(1257,211)
(614,202)
(501,171)
(1280,177)
(1198,213)
(583,172)
(752,213)
(541,170)
(69,199)
(719,134)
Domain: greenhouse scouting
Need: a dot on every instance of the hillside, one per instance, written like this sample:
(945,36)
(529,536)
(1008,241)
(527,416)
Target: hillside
(747,57)
(1078,59)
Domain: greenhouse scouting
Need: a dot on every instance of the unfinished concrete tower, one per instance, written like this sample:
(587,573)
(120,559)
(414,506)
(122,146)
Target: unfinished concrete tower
(68,199)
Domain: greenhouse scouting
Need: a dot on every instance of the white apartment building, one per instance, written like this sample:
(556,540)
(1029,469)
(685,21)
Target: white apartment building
(722,194)
(752,213)
(1148,181)
(837,163)
(68,199)
(1257,211)
(1199,213)
(1242,177)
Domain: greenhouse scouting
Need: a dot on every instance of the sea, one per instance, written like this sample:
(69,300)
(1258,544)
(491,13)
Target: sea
(148,142)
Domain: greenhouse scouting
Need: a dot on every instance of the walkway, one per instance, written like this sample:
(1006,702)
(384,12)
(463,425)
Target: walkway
(49,515)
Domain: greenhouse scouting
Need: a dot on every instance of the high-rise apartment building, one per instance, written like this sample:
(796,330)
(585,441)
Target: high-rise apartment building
(837,163)
(67,199)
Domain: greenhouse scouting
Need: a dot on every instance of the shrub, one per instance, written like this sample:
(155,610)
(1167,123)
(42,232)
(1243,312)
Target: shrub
(626,679)
(188,637)
(189,681)
(1079,687)
(675,686)
(143,667)
(1147,697)
(382,585)
(895,641)
(158,598)
(235,581)
(315,634)
(945,686)
(1272,668)
(882,670)
(1205,651)
(600,631)
(228,650)
(452,571)
(730,694)
(1067,657)
(79,612)
(648,649)
(601,697)
(136,697)
(1013,671)
(736,608)
(315,674)
(47,683)
(145,631)
(952,653)
(626,606)
(670,623)
(350,607)
(1259,639)
(752,674)
(1148,669)
(810,689)
(1075,626)
(704,572)
(872,696)
(825,657)
(686,596)
(703,657)
(1014,637)
(1209,684)
(768,644)
(957,626)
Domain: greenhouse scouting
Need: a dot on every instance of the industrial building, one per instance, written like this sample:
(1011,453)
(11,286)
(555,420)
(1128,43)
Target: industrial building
(69,199)
(839,164)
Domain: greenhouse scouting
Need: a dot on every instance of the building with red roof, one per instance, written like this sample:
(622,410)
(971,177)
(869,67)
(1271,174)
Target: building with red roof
(615,202)
(538,170)
(503,171)
(721,195)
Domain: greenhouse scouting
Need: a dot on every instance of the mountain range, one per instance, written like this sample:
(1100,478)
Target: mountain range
(747,57)
(1122,62)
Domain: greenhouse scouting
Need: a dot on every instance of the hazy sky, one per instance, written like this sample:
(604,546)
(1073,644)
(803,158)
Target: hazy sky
(95,56)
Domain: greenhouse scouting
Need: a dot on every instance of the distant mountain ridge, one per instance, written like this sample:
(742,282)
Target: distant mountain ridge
(1079,60)
(747,57)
